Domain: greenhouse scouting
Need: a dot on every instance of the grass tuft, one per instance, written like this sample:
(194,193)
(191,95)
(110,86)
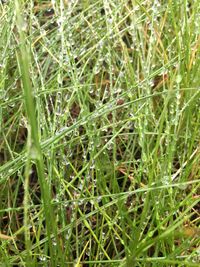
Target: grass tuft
(100,141)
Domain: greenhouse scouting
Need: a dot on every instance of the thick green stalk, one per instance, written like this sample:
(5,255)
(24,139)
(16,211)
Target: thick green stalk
(35,151)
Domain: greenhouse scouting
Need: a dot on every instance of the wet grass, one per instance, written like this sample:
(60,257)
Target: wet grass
(100,132)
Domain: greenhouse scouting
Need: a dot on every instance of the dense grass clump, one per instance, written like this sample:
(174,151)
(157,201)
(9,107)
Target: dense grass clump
(100,133)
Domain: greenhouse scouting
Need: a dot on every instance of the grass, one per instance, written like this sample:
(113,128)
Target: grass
(100,133)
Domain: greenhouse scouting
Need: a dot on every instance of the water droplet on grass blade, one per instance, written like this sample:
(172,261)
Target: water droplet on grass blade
(34,154)
(178,78)
(59,78)
(150,234)
(10,171)
(42,258)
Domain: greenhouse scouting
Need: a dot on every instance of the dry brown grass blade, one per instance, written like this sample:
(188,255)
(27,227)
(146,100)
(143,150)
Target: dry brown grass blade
(6,237)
